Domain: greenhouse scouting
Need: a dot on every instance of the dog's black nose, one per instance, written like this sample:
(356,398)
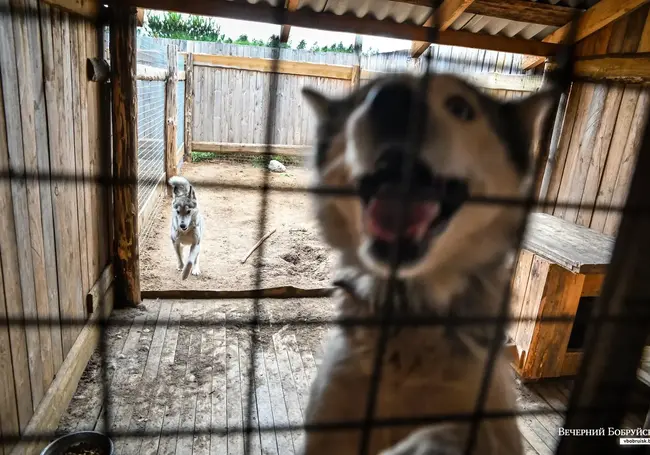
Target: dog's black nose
(182,226)
(391,108)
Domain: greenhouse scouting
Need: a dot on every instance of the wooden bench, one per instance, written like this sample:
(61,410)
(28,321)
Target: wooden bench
(559,272)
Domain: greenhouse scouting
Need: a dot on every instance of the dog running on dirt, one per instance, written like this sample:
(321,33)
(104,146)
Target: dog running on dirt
(456,259)
(187,225)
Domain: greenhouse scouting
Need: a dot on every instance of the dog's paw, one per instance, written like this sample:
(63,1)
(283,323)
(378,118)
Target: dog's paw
(196,271)
(179,266)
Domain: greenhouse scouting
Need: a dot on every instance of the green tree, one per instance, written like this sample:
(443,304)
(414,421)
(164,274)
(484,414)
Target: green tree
(302,45)
(174,26)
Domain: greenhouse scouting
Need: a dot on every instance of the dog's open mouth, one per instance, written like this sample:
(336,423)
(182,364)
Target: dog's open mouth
(431,202)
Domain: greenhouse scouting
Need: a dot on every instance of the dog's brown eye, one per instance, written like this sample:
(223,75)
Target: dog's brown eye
(460,108)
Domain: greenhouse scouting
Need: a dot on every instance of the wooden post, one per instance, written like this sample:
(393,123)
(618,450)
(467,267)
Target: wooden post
(170,114)
(356,77)
(125,153)
(189,101)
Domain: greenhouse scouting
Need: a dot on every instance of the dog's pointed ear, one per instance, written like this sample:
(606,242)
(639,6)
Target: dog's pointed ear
(192,194)
(176,190)
(319,102)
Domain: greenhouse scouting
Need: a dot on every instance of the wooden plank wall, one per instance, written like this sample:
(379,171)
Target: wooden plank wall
(54,238)
(231,104)
(601,133)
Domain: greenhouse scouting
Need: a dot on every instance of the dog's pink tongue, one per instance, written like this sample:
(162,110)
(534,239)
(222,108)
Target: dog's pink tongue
(383,218)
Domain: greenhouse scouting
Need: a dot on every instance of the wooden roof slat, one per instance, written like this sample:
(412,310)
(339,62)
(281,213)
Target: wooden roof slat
(290,5)
(514,10)
(448,12)
(345,23)
(595,18)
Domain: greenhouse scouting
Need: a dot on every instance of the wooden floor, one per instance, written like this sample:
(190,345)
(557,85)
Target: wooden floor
(167,374)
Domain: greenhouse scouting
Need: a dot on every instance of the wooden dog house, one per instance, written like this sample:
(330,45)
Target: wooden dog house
(559,273)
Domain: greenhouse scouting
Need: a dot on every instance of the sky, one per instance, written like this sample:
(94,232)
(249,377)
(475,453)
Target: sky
(234,28)
(256,30)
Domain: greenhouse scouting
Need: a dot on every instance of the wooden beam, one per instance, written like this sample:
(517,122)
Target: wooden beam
(595,18)
(171,114)
(346,23)
(356,77)
(125,153)
(447,14)
(491,81)
(226,147)
(266,65)
(85,8)
(139,17)
(524,11)
(280,292)
(188,107)
(59,394)
(515,10)
(290,5)
(624,68)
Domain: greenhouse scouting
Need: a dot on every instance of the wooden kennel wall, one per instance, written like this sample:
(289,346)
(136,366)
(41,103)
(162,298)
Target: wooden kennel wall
(590,164)
(55,235)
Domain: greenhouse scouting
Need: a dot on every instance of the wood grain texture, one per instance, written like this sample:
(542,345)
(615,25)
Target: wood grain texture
(281,292)
(267,65)
(188,103)
(125,153)
(550,340)
(524,11)
(576,248)
(20,198)
(448,12)
(216,147)
(85,8)
(530,306)
(595,18)
(34,132)
(14,372)
(55,402)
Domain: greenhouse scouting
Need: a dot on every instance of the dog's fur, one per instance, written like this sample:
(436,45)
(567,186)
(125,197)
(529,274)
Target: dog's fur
(463,270)
(187,225)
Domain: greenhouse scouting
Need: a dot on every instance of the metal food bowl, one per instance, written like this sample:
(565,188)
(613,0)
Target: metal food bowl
(93,438)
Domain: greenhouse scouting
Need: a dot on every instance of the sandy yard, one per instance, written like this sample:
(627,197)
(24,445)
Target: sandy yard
(294,255)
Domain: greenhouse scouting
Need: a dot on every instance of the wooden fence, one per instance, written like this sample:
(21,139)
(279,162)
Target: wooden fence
(231,96)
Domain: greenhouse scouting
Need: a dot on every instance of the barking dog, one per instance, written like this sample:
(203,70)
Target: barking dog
(455,260)
(187,225)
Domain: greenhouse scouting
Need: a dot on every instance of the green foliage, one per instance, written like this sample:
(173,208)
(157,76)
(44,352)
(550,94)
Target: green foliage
(198,28)
(174,26)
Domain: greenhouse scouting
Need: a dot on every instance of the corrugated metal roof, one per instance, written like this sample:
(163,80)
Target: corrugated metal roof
(405,12)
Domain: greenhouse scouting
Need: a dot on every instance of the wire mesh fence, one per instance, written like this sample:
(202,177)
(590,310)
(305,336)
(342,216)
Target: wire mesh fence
(151,121)
(151,170)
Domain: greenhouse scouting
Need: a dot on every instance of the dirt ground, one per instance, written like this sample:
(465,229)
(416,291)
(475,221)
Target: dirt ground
(294,255)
